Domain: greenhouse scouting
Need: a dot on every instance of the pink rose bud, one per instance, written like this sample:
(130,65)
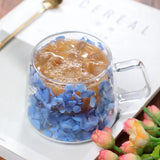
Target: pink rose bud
(107,129)
(103,139)
(128,147)
(129,156)
(137,135)
(155,112)
(151,124)
(107,155)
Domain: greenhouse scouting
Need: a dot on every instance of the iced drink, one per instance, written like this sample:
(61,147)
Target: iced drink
(71,93)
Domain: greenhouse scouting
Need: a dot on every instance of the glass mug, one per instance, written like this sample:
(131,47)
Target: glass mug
(70,112)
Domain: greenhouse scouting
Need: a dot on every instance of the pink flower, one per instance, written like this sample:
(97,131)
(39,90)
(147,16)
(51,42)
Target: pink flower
(107,129)
(107,155)
(150,124)
(103,139)
(155,112)
(129,156)
(128,147)
(137,135)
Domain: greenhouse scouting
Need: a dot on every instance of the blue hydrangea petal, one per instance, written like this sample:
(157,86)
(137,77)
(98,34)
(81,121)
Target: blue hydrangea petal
(53,118)
(110,74)
(85,94)
(62,109)
(91,125)
(31,111)
(111,106)
(76,97)
(63,117)
(78,117)
(92,101)
(102,84)
(32,71)
(54,128)
(50,92)
(60,135)
(69,87)
(45,112)
(84,38)
(109,94)
(72,103)
(68,94)
(60,37)
(37,116)
(76,128)
(81,87)
(42,95)
(100,46)
(36,123)
(91,92)
(48,133)
(68,124)
(68,108)
(90,42)
(76,109)
(32,99)
(54,101)
(83,135)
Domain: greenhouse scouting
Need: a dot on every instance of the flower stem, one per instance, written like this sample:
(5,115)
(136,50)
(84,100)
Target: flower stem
(150,158)
(116,148)
(149,128)
(150,114)
(154,139)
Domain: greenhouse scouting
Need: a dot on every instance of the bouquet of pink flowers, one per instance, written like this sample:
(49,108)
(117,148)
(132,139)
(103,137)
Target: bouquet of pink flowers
(143,142)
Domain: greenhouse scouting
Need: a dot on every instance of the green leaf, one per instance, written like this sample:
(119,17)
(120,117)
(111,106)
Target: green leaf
(156,152)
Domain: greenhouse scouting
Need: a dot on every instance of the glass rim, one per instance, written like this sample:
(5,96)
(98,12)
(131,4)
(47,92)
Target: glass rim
(34,52)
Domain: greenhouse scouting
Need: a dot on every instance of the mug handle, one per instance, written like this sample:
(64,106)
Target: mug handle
(132,94)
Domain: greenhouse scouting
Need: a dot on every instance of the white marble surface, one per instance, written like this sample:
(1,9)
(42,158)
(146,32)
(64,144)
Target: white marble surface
(132,31)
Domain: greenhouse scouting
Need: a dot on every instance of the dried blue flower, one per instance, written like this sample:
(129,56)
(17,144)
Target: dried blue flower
(111,106)
(90,126)
(63,136)
(48,133)
(67,94)
(91,92)
(103,85)
(32,99)
(36,123)
(71,103)
(53,118)
(84,94)
(100,46)
(42,95)
(76,109)
(76,97)
(110,74)
(60,37)
(78,117)
(54,128)
(92,101)
(109,94)
(80,87)
(69,87)
(84,38)
(50,92)
(90,42)
(45,113)
(83,135)
(40,84)
(63,118)
(31,111)
(67,125)
(76,128)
